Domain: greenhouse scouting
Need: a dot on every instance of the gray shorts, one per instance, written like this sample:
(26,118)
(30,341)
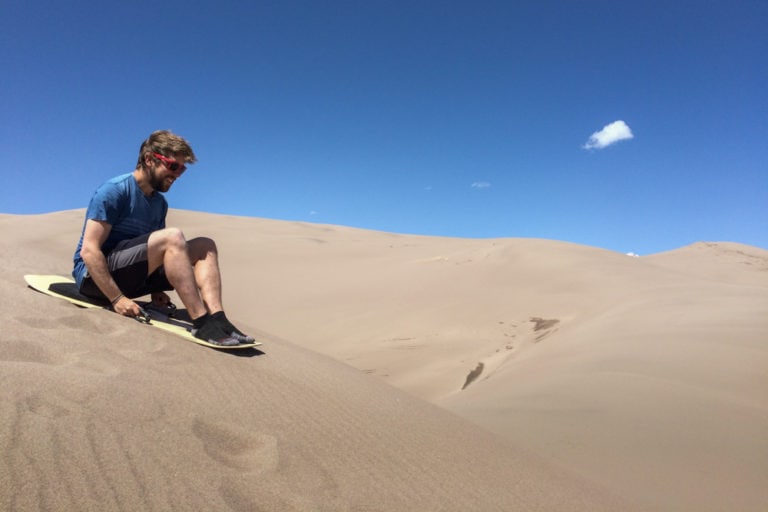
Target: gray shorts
(128,263)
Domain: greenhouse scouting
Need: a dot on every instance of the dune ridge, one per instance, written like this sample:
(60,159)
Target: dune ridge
(600,381)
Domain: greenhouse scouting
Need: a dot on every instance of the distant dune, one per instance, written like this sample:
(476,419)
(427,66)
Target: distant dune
(398,373)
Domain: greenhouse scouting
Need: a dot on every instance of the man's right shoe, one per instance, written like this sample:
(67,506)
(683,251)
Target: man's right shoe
(212,332)
(230,329)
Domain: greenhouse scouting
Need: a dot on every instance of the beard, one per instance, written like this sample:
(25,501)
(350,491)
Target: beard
(158,183)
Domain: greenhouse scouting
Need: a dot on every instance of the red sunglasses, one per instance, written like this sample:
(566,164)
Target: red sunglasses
(171,164)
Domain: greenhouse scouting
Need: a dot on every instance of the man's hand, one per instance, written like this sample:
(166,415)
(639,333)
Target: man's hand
(126,307)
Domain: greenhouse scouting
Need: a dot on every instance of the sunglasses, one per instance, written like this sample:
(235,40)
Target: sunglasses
(170,163)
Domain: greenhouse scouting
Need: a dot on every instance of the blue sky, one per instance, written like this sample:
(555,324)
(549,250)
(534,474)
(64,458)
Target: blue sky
(469,119)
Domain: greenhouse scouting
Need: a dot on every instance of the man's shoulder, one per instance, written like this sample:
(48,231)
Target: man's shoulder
(110,199)
(115,186)
(120,180)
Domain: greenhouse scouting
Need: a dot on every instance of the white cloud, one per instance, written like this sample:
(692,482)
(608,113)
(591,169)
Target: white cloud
(610,134)
(481,184)
(633,255)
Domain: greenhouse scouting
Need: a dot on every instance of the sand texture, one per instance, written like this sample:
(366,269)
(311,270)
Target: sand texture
(397,373)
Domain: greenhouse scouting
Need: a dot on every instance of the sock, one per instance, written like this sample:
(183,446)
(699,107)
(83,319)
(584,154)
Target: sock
(220,317)
(199,321)
(208,329)
(233,331)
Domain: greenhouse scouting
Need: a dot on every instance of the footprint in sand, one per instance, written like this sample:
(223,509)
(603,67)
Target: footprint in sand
(43,405)
(236,447)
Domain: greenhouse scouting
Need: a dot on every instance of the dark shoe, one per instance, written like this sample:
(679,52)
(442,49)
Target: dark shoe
(212,332)
(230,329)
(163,312)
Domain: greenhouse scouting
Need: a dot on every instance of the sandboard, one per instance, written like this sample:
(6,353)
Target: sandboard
(65,288)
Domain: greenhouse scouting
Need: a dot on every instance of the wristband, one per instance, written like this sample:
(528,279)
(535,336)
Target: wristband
(117,299)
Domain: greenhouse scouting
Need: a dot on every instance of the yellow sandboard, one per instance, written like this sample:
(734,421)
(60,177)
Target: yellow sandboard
(65,288)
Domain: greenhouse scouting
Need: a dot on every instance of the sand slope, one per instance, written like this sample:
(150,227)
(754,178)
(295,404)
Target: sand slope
(605,375)
(662,394)
(98,412)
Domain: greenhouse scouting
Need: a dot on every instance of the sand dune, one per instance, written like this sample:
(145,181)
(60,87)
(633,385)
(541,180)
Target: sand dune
(586,379)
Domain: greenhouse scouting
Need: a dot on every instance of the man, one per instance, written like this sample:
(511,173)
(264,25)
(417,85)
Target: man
(126,251)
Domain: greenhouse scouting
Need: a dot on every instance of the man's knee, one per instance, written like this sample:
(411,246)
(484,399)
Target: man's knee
(163,242)
(169,237)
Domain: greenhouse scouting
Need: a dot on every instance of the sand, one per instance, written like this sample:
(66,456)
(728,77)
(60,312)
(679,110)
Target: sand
(397,373)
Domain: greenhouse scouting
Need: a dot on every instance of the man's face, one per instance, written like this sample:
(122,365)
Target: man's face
(161,177)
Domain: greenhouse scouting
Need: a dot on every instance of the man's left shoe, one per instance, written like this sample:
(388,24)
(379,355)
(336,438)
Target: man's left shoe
(165,310)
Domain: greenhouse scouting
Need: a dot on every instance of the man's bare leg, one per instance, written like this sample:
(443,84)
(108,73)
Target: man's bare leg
(192,268)
(168,247)
(204,257)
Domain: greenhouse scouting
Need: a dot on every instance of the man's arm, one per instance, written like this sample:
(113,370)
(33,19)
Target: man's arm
(96,233)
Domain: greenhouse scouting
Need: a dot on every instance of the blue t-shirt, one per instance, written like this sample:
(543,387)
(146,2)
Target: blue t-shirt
(121,203)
